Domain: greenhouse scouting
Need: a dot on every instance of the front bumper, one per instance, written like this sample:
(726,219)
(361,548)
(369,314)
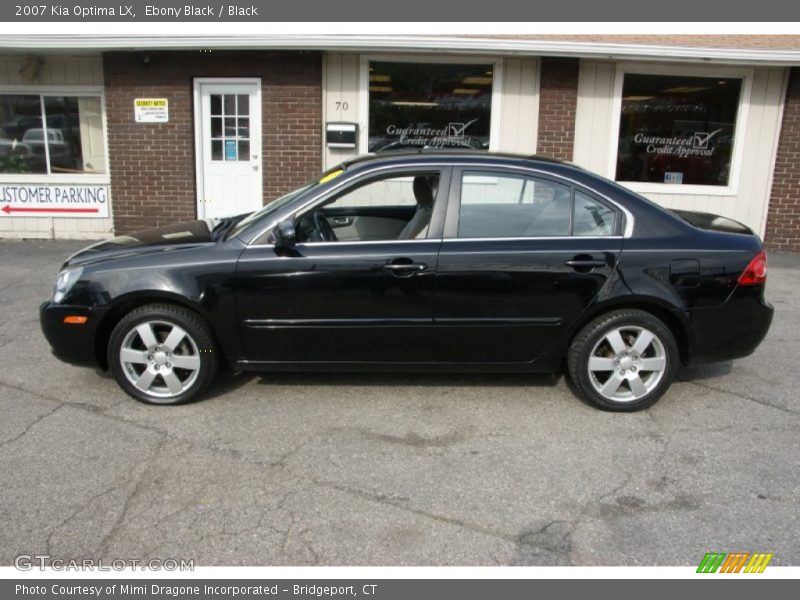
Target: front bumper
(71,343)
(734,329)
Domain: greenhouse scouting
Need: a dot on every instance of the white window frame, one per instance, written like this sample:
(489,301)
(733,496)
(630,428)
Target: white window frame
(497,87)
(746,75)
(57,178)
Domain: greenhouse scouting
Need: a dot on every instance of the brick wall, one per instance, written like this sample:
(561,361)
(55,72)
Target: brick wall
(153,165)
(558,99)
(783,218)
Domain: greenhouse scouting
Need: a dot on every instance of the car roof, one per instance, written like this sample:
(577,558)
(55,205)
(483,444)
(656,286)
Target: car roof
(456,155)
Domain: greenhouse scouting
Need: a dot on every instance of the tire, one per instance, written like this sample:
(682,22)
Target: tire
(148,344)
(623,360)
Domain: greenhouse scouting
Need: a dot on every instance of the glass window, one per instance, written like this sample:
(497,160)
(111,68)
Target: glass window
(590,217)
(494,205)
(416,105)
(230,127)
(389,208)
(51,134)
(677,129)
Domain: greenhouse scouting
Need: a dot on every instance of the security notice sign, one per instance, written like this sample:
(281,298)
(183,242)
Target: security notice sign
(85,201)
(151,110)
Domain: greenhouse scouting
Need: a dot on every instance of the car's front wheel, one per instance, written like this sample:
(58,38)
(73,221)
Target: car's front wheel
(623,360)
(162,354)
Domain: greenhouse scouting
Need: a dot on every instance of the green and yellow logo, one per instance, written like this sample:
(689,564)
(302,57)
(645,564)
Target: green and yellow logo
(736,562)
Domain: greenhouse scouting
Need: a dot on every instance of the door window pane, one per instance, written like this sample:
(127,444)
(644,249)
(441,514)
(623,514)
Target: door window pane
(244,150)
(495,205)
(71,134)
(216,104)
(216,127)
(676,129)
(230,127)
(416,105)
(229,102)
(243,127)
(389,208)
(243,104)
(216,149)
(591,217)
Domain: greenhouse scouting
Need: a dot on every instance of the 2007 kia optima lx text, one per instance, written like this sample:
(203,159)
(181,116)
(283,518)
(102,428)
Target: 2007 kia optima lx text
(422,261)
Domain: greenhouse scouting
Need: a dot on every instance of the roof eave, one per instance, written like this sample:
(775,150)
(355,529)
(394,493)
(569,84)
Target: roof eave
(404,44)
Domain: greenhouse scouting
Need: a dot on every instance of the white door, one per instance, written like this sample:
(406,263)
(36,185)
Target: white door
(228,140)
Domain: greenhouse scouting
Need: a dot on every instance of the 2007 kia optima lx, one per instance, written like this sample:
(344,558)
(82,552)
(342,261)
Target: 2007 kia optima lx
(422,261)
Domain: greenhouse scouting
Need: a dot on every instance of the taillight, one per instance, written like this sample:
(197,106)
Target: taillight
(755,273)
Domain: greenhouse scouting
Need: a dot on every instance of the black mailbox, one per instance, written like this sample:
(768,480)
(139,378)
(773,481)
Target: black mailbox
(341,135)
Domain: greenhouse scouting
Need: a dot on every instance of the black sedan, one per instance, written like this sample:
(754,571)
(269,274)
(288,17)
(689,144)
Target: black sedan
(448,261)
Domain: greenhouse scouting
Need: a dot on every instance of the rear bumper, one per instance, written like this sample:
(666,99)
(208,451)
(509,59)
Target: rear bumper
(71,343)
(732,330)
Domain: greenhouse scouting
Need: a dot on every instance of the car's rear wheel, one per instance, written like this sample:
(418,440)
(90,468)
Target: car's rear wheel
(623,360)
(162,354)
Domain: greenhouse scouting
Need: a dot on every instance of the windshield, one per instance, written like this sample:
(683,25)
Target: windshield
(276,205)
(268,209)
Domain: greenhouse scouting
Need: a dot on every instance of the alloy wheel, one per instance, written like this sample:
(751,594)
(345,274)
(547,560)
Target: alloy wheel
(627,363)
(160,359)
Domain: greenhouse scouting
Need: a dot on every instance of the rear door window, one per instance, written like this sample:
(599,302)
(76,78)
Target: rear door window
(499,205)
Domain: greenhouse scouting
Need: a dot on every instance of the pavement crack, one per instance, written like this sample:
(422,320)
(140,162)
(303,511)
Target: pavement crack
(619,487)
(76,512)
(30,426)
(135,492)
(550,544)
(401,505)
(744,397)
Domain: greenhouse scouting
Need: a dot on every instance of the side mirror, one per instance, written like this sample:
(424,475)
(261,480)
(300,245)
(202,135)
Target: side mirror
(285,235)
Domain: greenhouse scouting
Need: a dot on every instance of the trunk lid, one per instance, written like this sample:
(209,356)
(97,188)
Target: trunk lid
(712,222)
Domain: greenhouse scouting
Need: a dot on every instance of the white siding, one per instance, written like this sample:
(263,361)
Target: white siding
(594,141)
(68,72)
(340,88)
(519,106)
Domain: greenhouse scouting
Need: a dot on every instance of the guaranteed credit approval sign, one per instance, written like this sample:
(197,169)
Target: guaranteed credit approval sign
(86,201)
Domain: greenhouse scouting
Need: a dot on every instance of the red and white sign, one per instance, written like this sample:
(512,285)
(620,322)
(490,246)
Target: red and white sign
(86,201)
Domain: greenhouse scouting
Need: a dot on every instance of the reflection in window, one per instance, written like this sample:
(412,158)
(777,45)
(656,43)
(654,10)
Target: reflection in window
(68,140)
(676,129)
(590,217)
(494,205)
(417,105)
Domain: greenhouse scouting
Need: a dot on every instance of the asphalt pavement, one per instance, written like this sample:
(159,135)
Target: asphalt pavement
(400,469)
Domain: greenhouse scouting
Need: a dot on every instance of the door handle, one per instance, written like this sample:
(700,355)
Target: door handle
(583,263)
(341,221)
(404,269)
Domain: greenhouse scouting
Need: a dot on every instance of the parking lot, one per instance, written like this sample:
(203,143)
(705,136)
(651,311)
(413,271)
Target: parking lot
(337,469)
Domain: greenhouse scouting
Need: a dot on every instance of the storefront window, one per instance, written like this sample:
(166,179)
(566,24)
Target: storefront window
(420,105)
(676,129)
(51,135)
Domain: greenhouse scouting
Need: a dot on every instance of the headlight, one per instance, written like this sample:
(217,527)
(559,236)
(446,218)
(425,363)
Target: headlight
(66,279)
